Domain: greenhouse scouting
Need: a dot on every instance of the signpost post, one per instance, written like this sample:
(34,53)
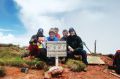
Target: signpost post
(56,49)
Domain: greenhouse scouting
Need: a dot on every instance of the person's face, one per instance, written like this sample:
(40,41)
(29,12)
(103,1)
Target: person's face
(52,35)
(65,33)
(56,31)
(72,33)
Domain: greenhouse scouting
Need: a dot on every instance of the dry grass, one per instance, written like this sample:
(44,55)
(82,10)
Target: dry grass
(76,65)
(11,56)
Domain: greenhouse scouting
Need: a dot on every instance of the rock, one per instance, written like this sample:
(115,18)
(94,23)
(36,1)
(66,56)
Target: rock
(24,70)
(47,75)
(55,71)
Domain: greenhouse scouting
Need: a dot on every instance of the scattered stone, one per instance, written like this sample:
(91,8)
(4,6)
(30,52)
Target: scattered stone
(54,71)
(24,70)
(47,75)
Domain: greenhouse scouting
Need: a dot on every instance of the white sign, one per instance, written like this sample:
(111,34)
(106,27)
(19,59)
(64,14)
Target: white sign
(56,48)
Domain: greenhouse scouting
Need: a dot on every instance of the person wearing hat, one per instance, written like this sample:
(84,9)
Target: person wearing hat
(75,46)
(52,36)
(37,47)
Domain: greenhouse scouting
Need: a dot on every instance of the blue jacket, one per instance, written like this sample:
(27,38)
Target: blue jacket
(54,39)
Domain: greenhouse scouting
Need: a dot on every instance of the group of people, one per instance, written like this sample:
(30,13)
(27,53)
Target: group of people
(38,47)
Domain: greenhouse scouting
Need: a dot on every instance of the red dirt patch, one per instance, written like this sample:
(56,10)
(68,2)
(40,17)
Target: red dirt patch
(107,60)
(93,72)
(15,73)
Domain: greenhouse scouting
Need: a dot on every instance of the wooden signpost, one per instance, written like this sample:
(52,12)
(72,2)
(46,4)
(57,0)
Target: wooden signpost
(56,49)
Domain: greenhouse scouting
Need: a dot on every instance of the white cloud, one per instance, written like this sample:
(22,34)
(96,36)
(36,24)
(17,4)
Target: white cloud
(6,38)
(5,30)
(38,13)
(10,38)
(92,19)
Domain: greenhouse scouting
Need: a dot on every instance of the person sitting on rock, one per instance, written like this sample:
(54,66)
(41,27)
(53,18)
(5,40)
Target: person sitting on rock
(52,37)
(64,38)
(42,52)
(39,45)
(75,46)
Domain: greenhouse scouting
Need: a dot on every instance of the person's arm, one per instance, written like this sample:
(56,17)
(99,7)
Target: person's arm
(69,48)
(79,44)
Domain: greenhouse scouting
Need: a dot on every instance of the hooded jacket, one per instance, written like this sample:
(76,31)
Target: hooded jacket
(75,42)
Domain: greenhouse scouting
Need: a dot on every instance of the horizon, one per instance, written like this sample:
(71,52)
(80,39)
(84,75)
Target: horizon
(92,20)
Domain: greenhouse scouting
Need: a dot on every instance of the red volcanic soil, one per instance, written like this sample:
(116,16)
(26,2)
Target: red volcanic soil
(93,72)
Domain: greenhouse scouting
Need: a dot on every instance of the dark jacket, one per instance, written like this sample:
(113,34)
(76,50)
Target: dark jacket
(63,39)
(75,42)
(33,39)
(116,61)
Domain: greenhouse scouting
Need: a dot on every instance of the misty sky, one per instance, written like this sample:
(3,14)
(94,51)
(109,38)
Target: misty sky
(92,19)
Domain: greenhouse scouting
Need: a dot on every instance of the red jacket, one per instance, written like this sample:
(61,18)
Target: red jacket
(58,36)
(33,49)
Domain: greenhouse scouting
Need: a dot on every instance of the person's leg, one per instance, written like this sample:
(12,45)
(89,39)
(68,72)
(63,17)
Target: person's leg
(50,60)
(42,54)
(84,56)
(70,54)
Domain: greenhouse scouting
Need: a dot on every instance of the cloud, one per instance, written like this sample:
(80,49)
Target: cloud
(5,30)
(18,40)
(62,13)
(43,13)
(92,19)
(6,39)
